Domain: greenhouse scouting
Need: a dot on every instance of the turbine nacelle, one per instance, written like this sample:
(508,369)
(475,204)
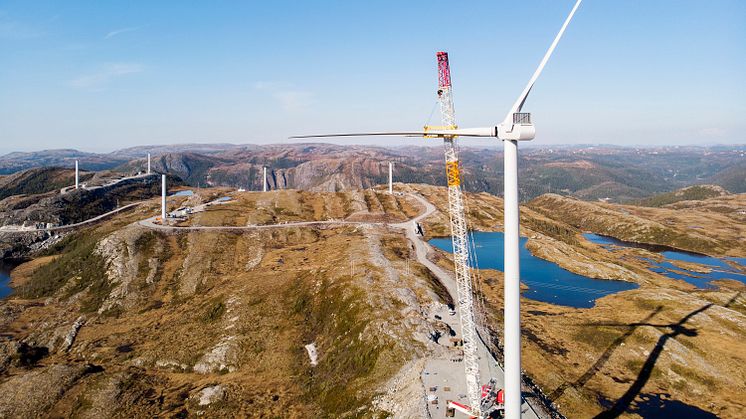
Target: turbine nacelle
(520,130)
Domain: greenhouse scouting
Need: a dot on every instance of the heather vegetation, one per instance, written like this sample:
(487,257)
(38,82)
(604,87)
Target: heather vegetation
(75,264)
(691,193)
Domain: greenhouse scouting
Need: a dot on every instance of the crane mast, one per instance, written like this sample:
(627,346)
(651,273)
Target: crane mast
(459,236)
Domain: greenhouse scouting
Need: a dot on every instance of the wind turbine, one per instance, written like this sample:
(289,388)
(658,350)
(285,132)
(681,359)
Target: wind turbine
(516,126)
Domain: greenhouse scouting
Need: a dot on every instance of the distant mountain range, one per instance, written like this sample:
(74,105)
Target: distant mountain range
(588,172)
(17,161)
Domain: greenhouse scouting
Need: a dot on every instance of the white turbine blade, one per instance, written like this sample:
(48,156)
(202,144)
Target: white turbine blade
(461,132)
(365,134)
(522,98)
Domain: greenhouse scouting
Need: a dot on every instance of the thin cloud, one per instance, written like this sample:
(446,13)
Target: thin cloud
(15,30)
(105,75)
(121,31)
(289,98)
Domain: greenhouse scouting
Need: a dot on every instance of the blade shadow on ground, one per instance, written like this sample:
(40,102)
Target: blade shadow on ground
(676,329)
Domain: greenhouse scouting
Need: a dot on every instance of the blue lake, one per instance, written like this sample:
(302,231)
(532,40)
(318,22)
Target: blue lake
(188,192)
(720,268)
(547,282)
(5,269)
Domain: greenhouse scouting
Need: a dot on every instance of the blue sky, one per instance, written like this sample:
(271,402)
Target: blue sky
(99,76)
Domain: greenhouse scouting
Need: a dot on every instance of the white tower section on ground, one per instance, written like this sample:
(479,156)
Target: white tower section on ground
(459,236)
(148,163)
(391,178)
(264,180)
(77,178)
(163,199)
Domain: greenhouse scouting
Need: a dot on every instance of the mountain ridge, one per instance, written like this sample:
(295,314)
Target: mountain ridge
(620,174)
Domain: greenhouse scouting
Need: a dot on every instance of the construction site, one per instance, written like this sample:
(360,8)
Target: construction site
(152,290)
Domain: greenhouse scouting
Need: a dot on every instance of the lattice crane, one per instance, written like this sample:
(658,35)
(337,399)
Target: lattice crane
(460,239)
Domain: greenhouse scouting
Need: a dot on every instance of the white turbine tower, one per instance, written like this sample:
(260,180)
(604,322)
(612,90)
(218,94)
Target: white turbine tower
(516,126)
(163,199)
(76,174)
(391,178)
(512,302)
(148,163)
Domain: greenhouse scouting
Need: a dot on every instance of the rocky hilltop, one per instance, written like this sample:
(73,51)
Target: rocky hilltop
(38,181)
(54,208)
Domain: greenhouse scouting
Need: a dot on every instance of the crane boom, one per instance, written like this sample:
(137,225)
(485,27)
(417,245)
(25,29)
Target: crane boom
(459,236)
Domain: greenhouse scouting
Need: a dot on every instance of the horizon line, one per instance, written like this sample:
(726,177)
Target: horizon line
(392,146)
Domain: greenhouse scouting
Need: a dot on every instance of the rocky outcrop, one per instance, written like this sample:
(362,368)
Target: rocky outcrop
(404,395)
(18,246)
(122,255)
(76,205)
(72,334)
(189,167)
(210,395)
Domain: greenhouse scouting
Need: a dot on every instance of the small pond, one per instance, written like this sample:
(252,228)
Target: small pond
(187,192)
(5,268)
(547,282)
(720,269)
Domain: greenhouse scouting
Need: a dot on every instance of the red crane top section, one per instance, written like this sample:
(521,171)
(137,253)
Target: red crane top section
(444,70)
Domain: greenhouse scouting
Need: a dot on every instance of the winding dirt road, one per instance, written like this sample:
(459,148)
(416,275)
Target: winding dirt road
(13,229)
(66,189)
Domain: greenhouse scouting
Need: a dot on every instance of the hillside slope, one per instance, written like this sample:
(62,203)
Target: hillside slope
(690,193)
(143,323)
(39,181)
(717,231)
(732,178)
